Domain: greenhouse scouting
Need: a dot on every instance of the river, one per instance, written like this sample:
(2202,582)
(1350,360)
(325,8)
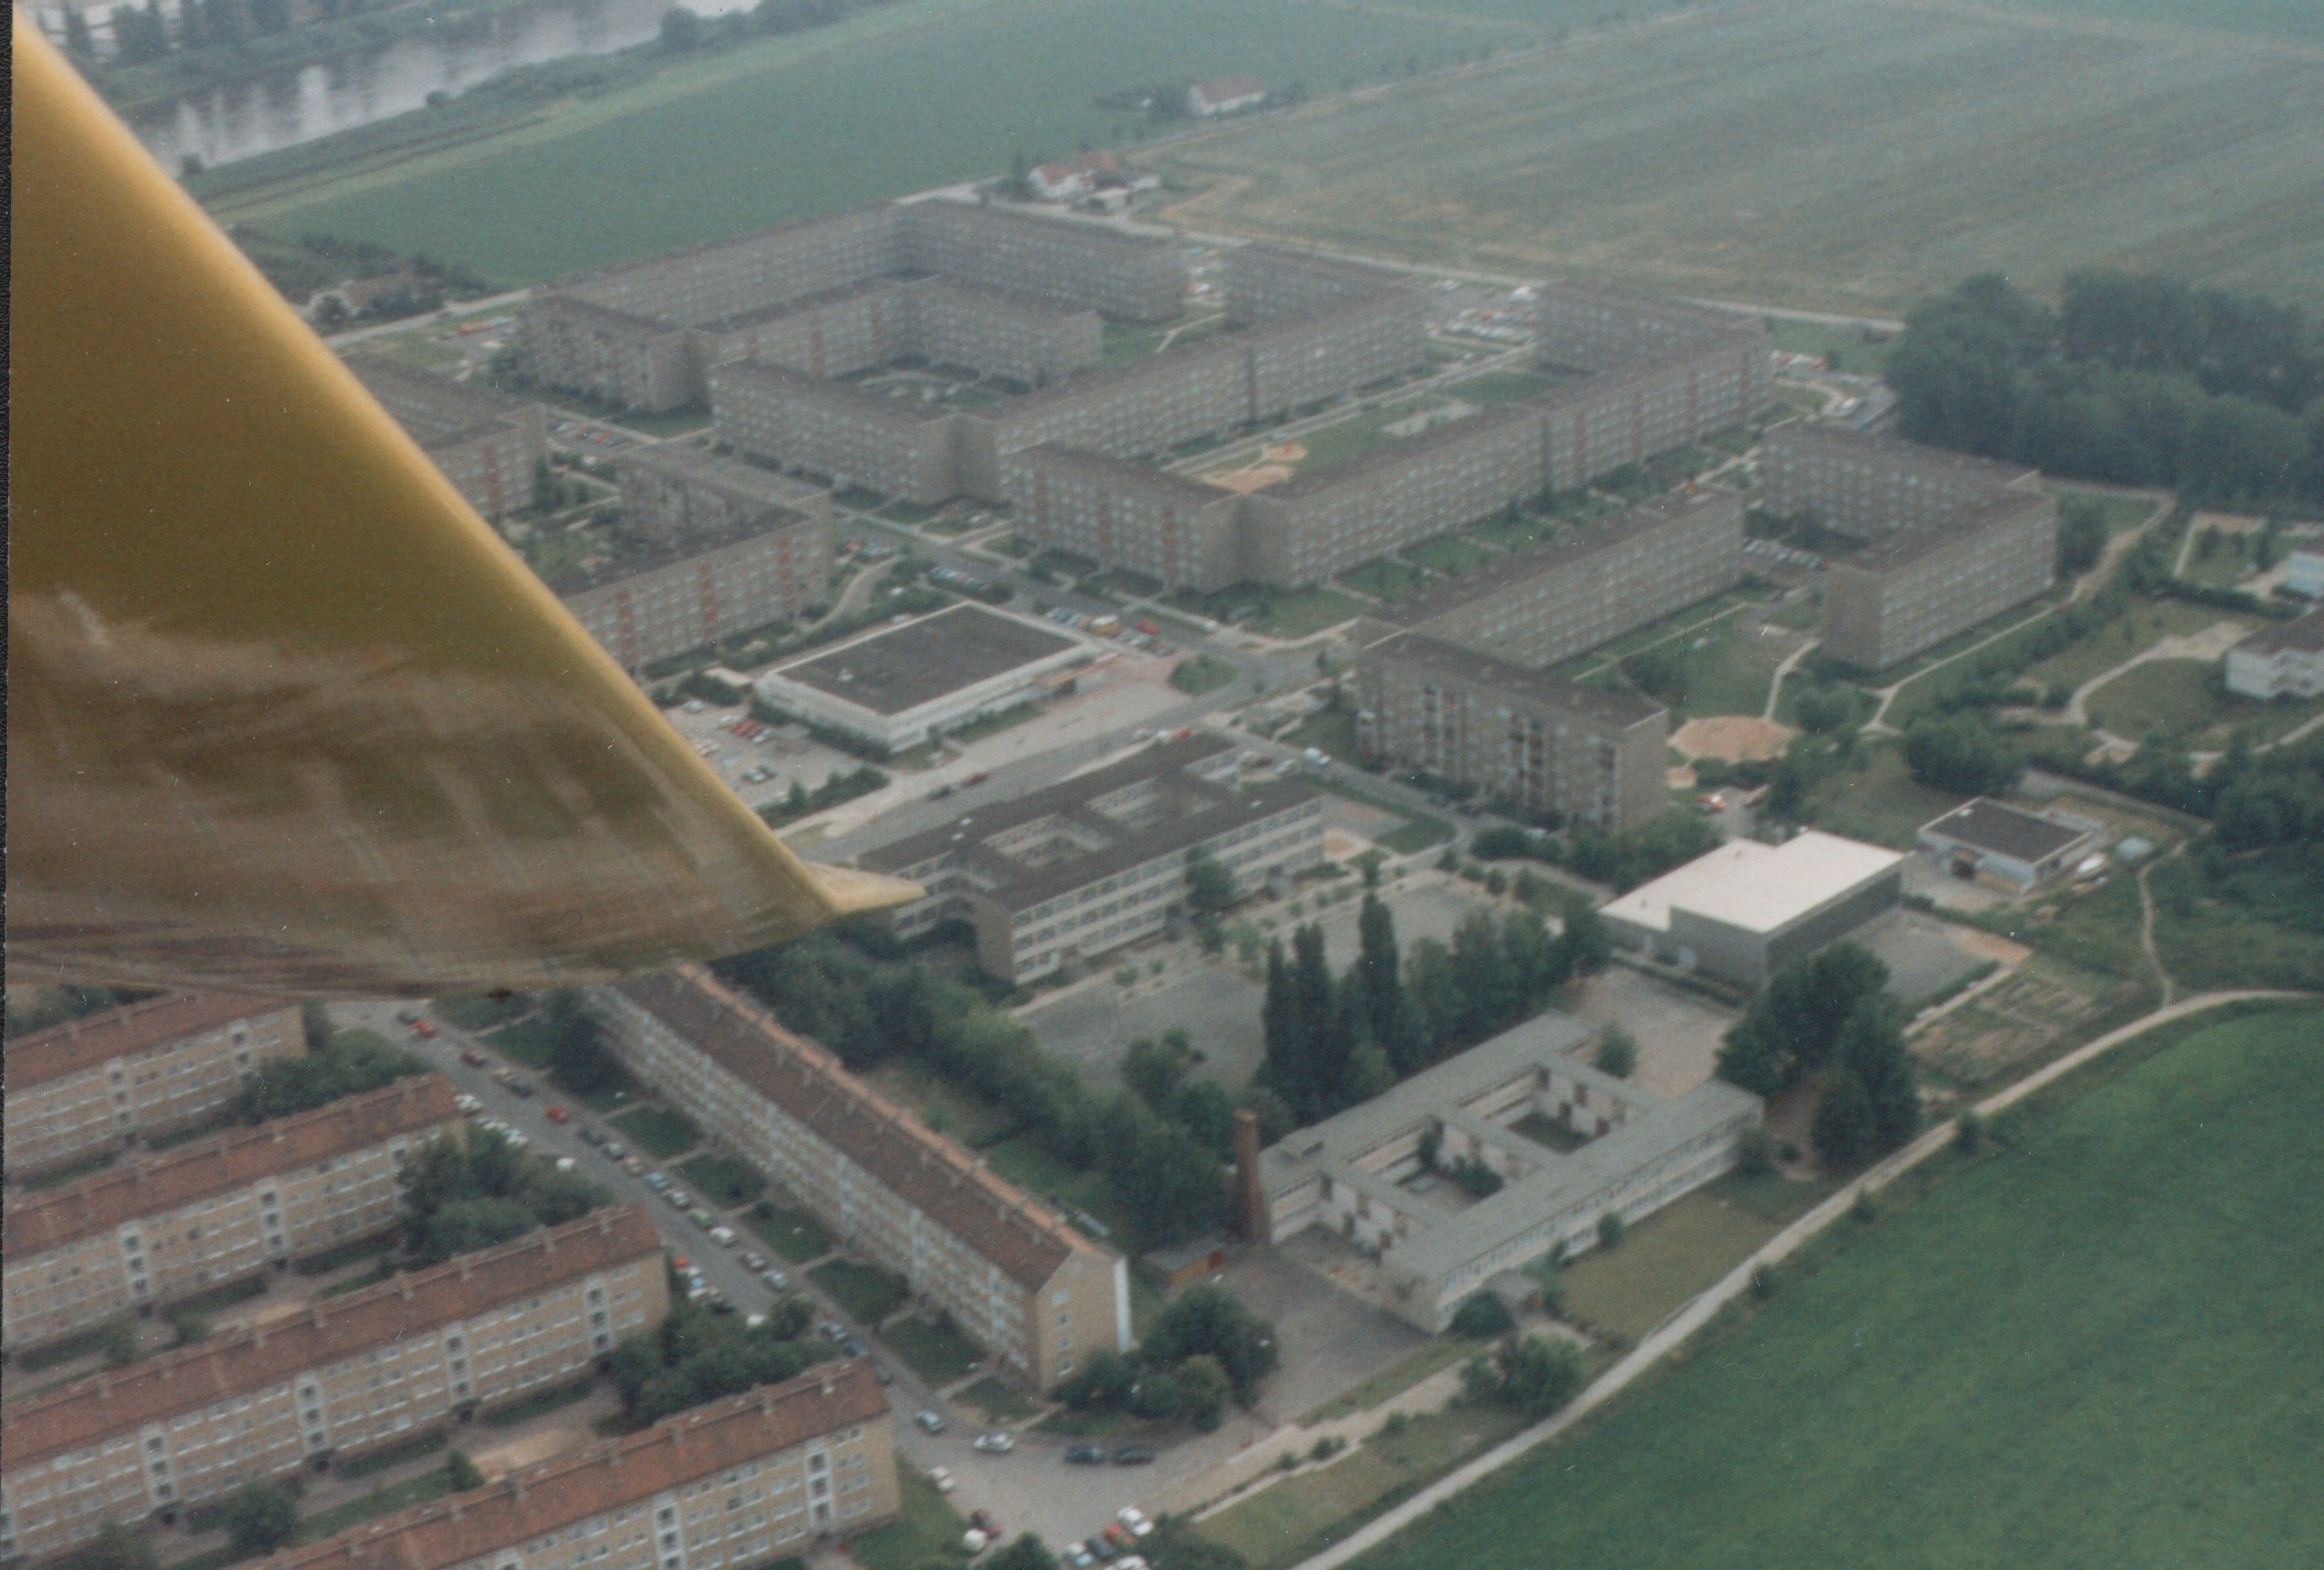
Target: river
(299,103)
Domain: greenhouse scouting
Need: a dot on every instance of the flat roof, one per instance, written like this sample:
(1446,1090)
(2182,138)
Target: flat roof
(1895,453)
(2005,830)
(435,411)
(897,668)
(582,579)
(1914,540)
(1456,663)
(2301,635)
(1758,888)
(728,476)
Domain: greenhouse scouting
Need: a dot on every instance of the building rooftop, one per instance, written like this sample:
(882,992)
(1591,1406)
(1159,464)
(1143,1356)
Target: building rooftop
(1915,540)
(1569,545)
(2301,635)
(144,1185)
(1095,466)
(76,1045)
(728,477)
(1758,888)
(542,1498)
(1550,1182)
(438,413)
(654,558)
(325,1331)
(1220,90)
(1186,810)
(898,668)
(1396,451)
(1455,663)
(2005,830)
(1020,1236)
(861,401)
(1893,453)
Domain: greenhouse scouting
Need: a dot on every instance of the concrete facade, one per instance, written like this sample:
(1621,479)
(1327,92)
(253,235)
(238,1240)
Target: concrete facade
(1363,1175)
(703,589)
(1065,875)
(1538,744)
(86,1086)
(487,443)
(152,1230)
(1034,1293)
(671,493)
(900,686)
(1150,520)
(1743,911)
(2285,661)
(1996,843)
(347,1375)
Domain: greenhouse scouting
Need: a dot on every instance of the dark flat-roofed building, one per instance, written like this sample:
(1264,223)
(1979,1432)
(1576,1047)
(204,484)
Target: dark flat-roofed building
(1057,878)
(733,1483)
(2284,661)
(340,1377)
(487,443)
(151,1230)
(1992,840)
(1539,744)
(899,686)
(88,1085)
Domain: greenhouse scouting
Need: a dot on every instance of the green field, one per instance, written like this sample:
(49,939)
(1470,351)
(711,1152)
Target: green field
(1307,612)
(723,1181)
(1832,157)
(658,1131)
(1880,802)
(2094,1346)
(897,98)
(868,1293)
(796,1235)
(2183,702)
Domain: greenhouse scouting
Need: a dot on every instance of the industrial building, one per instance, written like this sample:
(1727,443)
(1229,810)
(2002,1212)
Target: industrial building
(2282,660)
(901,685)
(758,1478)
(1743,911)
(1026,1287)
(1996,842)
(1954,541)
(84,1087)
(151,1230)
(343,1376)
(1536,744)
(1570,1146)
(488,443)
(1060,877)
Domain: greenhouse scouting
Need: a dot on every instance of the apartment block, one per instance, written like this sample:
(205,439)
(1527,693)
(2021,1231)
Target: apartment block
(487,443)
(1588,583)
(771,1473)
(997,333)
(671,493)
(1068,261)
(1594,329)
(1180,531)
(151,1230)
(1536,743)
(1034,1293)
(2284,661)
(648,608)
(86,1086)
(846,435)
(1269,284)
(1871,486)
(639,361)
(328,1381)
(1056,879)
(840,332)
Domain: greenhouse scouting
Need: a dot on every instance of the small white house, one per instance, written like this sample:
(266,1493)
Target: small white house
(1225,95)
(2303,573)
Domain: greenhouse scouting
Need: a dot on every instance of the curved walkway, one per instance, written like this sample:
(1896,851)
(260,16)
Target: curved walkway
(1680,1326)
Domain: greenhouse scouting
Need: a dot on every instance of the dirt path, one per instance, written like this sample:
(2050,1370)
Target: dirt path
(1682,1325)
(1791,663)
(2146,932)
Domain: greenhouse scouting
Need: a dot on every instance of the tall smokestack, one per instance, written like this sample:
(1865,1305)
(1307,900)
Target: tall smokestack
(1250,1208)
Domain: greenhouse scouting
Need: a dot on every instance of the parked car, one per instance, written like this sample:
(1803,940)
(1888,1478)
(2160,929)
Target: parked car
(753,1260)
(424,1028)
(701,1218)
(633,1165)
(942,1477)
(557,1115)
(832,1330)
(880,1371)
(617,1151)
(853,1345)
(723,1236)
(775,1279)
(591,1134)
(521,1087)
(1079,1558)
(657,1181)
(983,1522)
(679,1198)
(1136,1520)
(1132,1456)
(473,1059)
(932,1422)
(1098,1548)
(995,1443)
(1086,1456)
(467,1104)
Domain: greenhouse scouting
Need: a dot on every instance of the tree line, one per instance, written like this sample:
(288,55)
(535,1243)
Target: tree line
(1827,1016)
(2132,379)
(460,1197)
(1204,1348)
(1331,1043)
(696,1355)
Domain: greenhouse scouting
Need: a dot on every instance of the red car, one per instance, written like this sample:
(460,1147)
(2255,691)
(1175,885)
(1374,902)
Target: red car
(424,1028)
(557,1115)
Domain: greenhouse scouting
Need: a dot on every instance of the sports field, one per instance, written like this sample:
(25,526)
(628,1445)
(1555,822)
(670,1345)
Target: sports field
(2093,1347)
(1846,155)
(899,99)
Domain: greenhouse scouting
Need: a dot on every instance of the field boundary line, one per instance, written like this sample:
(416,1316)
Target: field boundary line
(1681,1326)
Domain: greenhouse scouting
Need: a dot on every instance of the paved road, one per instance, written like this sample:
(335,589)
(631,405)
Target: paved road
(1682,1325)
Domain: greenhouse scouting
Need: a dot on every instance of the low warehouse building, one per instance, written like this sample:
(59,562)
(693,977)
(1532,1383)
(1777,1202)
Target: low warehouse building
(2284,661)
(1991,841)
(1743,911)
(902,686)
(1567,1144)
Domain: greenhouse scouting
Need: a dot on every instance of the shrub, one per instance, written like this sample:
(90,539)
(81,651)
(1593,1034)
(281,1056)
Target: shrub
(1611,1228)
(1327,1447)
(1397,1423)
(1969,1132)
(1866,1209)
(1617,1052)
(462,1473)
(1763,1281)
(263,1517)
(1482,1317)
(1755,1153)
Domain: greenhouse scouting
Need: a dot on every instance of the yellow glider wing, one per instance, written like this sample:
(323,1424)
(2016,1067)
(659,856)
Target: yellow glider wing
(285,715)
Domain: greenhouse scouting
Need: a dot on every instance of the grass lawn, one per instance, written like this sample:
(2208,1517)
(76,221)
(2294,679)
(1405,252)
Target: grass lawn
(1203,673)
(475,1011)
(235,1292)
(2184,702)
(1504,387)
(2136,629)
(1662,1262)
(796,1235)
(1285,1522)
(1385,580)
(1332,731)
(1026,1164)
(525,1041)
(658,1131)
(2117,513)
(868,1293)
(379,1502)
(61,1175)
(927,1533)
(1880,801)
(944,1106)
(998,1400)
(1308,612)
(1432,1356)
(725,1181)
(393,1455)
(1448,554)
(939,1353)
(534,1405)
(65,1351)
(2092,1345)
(1846,348)
(1727,670)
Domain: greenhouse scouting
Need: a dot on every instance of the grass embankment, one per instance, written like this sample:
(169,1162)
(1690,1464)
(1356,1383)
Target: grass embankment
(2091,1344)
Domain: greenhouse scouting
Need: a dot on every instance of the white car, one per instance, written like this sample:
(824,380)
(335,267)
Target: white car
(1133,1518)
(942,1478)
(467,1104)
(995,1444)
(931,1422)
(723,1236)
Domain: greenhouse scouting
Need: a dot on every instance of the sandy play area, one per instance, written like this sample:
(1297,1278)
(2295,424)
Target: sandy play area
(1276,463)
(1734,737)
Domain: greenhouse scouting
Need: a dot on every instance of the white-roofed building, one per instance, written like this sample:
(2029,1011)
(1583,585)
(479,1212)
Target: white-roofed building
(1744,910)
(2303,572)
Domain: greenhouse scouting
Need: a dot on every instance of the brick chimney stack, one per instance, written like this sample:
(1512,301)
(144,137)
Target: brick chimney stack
(1250,1206)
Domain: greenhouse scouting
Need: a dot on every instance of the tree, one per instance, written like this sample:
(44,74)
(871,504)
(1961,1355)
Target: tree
(1026,1553)
(1961,753)
(1103,1379)
(681,29)
(1843,1133)
(462,1473)
(1611,1230)
(1210,884)
(115,1547)
(1379,978)
(577,1058)
(1755,1152)
(1870,1046)
(1208,1318)
(1156,1070)
(1537,1374)
(1481,1317)
(1617,1052)
(1790,1026)
(263,1517)
(1204,1390)
(117,1340)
